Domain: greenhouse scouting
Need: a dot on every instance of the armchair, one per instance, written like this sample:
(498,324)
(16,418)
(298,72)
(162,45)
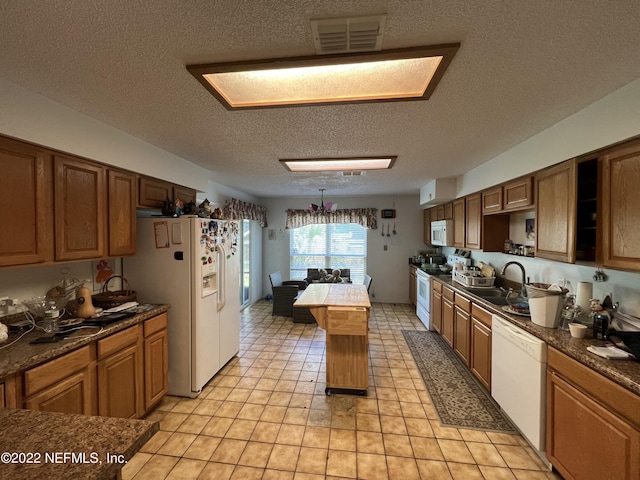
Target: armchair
(285,294)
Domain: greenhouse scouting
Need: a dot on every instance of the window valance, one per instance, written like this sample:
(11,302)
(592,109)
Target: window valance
(235,209)
(366,217)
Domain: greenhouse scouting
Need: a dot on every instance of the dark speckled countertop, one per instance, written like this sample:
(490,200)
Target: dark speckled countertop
(625,373)
(22,355)
(62,446)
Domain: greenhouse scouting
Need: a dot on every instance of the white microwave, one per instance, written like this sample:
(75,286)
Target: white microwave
(442,233)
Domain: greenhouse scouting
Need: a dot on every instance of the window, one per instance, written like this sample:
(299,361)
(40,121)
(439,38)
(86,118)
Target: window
(334,245)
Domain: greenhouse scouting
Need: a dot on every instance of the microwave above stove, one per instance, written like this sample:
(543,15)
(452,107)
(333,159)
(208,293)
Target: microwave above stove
(442,233)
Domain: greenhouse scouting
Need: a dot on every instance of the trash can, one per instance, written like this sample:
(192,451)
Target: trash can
(545,304)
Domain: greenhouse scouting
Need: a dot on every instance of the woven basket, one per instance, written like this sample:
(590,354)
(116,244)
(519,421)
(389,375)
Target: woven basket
(108,299)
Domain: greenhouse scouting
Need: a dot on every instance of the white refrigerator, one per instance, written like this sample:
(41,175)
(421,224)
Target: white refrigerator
(191,263)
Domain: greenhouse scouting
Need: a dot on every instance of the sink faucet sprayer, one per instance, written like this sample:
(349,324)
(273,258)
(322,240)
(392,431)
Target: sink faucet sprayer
(523,292)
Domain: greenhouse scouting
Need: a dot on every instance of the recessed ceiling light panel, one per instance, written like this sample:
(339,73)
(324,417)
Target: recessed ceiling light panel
(392,75)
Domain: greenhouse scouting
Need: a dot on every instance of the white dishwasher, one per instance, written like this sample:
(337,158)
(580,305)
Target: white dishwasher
(518,379)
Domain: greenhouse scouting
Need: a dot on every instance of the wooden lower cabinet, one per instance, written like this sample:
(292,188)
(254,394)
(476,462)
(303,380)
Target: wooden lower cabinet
(481,345)
(347,348)
(436,306)
(156,360)
(120,374)
(66,384)
(447,315)
(412,285)
(587,437)
(8,394)
(123,375)
(462,328)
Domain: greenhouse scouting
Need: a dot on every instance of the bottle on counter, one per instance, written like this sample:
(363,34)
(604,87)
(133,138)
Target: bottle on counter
(569,312)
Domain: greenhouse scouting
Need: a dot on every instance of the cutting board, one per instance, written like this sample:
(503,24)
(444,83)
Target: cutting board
(486,270)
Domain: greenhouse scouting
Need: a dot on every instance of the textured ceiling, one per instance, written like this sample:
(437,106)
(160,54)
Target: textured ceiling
(522,67)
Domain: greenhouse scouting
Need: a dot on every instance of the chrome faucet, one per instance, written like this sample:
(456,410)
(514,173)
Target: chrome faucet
(524,275)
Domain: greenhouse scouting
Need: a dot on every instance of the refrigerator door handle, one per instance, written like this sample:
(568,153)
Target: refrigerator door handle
(222,266)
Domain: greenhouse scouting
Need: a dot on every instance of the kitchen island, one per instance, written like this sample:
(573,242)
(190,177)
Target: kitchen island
(61,446)
(342,309)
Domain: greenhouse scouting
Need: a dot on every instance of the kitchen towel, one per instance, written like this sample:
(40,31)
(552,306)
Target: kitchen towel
(584,295)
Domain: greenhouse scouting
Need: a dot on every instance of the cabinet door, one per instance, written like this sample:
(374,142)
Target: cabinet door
(518,194)
(447,321)
(73,394)
(481,352)
(462,334)
(427,226)
(473,222)
(152,192)
(25,195)
(412,285)
(440,212)
(620,215)
(436,311)
(492,200)
(448,211)
(585,440)
(8,393)
(120,384)
(122,213)
(556,212)
(156,360)
(80,209)
(458,223)
(185,194)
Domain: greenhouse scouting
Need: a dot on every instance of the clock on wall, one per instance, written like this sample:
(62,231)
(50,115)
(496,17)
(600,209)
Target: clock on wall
(390,213)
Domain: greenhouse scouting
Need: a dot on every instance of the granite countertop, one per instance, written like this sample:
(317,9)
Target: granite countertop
(23,355)
(63,446)
(625,373)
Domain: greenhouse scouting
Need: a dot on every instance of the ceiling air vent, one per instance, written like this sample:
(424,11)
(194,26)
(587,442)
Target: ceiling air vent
(342,35)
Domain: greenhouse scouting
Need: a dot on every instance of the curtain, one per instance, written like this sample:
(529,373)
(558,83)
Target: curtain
(235,209)
(367,217)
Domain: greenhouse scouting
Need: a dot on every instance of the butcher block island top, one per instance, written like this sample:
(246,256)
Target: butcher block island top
(342,309)
(317,296)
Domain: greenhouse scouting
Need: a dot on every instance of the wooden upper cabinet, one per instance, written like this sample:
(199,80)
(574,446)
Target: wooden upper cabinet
(448,211)
(618,213)
(492,200)
(459,223)
(152,192)
(80,209)
(183,193)
(122,213)
(518,194)
(440,212)
(473,233)
(555,193)
(26,197)
(427,225)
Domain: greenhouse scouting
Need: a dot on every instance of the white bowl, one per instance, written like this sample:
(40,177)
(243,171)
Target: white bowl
(577,330)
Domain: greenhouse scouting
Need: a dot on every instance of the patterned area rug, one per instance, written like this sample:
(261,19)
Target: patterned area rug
(460,400)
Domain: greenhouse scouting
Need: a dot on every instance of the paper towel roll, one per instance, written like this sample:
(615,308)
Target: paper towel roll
(584,295)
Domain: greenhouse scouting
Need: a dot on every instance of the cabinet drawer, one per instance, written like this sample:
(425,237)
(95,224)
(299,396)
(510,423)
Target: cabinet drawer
(51,372)
(481,314)
(463,303)
(155,324)
(447,293)
(118,341)
(437,286)
(347,321)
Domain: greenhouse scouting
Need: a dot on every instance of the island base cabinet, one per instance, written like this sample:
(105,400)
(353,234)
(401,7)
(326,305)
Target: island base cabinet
(347,348)
(585,440)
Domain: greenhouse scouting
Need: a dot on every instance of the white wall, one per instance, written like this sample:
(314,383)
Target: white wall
(612,119)
(389,269)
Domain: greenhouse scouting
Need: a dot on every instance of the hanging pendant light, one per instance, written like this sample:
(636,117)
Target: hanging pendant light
(313,208)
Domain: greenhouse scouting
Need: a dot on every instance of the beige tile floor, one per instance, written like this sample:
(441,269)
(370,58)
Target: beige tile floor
(265,416)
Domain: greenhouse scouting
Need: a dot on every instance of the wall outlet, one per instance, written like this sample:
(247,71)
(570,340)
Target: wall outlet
(385,248)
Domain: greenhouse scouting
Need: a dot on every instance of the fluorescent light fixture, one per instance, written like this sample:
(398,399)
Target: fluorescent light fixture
(390,75)
(338,164)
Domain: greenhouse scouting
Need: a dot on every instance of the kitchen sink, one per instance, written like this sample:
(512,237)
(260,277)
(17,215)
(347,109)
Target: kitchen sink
(487,292)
